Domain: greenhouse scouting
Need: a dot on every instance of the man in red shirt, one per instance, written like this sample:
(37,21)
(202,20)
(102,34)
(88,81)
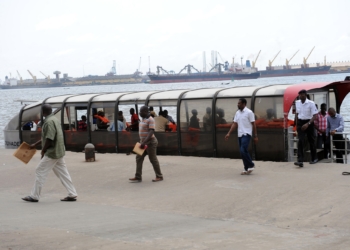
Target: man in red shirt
(321,127)
(82,126)
(134,120)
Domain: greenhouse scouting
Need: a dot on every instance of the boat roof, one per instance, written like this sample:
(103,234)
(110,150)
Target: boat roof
(288,91)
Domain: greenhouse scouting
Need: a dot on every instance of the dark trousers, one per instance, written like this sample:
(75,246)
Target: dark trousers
(338,145)
(310,134)
(321,144)
(151,151)
(243,143)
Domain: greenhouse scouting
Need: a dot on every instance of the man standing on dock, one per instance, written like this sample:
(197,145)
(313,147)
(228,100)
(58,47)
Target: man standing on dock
(244,122)
(306,113)
(146,132)
(52,157)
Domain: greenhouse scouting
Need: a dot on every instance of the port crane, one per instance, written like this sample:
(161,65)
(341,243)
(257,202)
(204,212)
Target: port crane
(161,68)
(254,62)
(20,78)
(218,66)
(305,59)
(270,62)
(188,69)
(33,76)
(47,77)
(288,61)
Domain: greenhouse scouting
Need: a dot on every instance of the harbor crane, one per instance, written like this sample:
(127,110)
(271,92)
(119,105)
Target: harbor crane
(46,76)
(20,78)
(33,76)
(189,69)
(305,59)
(161,68)
(254,62)
(288,61)
(218,66)
(270,62)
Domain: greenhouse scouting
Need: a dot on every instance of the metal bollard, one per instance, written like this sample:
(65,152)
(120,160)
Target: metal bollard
(89,152)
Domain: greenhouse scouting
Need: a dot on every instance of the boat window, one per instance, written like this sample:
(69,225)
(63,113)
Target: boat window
(192,113)
(102,116)
(320,98)
(226,109)
(31,118)
(125,109)
(331,100)
(269,110)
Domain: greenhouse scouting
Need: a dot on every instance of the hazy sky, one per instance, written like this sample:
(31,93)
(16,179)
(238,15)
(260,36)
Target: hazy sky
(84,37)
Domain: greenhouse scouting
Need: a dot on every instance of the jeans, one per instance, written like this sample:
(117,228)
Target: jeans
(152,155)
(243,143)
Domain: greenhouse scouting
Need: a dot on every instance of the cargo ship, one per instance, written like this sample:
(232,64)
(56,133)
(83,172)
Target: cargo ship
(293,70)
(302,71)
(215,74)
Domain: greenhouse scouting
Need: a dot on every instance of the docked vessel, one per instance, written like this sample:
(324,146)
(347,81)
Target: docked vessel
(302,71)
(215,74)
(272,105)
(293,70)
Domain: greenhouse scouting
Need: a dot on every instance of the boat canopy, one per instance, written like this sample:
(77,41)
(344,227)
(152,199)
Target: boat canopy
(201,118)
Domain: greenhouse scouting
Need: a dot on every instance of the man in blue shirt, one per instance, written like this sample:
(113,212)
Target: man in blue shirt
(335,124)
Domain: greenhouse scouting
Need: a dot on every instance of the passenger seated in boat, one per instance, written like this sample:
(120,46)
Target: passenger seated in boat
(134,121)
(28,126)
(102,121)
(194,120)
(161,123)
(220,117)
(270,115)
(207,120)
(170,119)
(121,125)
(152,113)
(82,126)
(122,119)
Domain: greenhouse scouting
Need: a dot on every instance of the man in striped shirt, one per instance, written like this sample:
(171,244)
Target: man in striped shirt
(146,132)
(320,124)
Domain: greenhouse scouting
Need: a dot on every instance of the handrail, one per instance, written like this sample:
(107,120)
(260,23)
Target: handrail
(345,149)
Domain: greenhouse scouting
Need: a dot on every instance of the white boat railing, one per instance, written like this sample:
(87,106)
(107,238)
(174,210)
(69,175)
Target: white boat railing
(346,148)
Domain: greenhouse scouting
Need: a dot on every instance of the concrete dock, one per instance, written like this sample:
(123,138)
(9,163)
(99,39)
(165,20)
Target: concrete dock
(203,203)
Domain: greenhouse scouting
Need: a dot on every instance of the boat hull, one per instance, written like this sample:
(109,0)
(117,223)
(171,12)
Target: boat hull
(200,77)
(322,70)
(31,86)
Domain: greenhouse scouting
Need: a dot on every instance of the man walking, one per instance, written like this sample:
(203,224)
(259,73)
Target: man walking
(306,113)
(335,123)
(146,132)
(52,157)
(244,122)
(321,126)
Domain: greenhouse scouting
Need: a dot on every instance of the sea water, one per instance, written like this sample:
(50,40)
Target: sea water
(10,106)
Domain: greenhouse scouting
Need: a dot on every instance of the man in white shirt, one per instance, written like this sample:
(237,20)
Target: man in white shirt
(306,113)
(244,121)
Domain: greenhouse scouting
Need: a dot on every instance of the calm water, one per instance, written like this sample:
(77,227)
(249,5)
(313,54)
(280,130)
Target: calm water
(9,106)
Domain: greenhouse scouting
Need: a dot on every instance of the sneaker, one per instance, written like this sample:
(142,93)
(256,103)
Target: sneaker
(250,170)
(244,173)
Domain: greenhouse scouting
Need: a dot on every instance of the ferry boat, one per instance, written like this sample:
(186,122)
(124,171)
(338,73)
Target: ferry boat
(272,105)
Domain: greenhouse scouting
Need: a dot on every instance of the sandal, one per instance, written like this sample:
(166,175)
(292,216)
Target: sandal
(69,199)
(30,199)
